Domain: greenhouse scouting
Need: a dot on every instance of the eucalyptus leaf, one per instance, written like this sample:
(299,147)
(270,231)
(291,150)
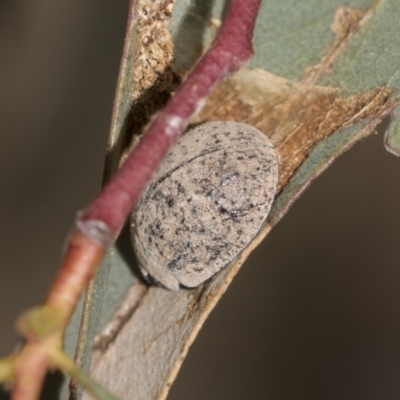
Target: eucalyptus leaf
(351,52)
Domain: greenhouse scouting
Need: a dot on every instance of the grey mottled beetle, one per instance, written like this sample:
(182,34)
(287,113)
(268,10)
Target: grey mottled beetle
(205,204)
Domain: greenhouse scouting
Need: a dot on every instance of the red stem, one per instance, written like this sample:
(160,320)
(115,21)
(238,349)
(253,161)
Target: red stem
(81,259)
(30,373)
(232,48)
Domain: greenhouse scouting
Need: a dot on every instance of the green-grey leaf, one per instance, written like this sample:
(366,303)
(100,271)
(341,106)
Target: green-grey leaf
(392,135)
(290,36)
(373,57)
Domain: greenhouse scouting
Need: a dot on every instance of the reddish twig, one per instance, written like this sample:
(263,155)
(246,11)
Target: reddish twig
(99,224)
(30,371)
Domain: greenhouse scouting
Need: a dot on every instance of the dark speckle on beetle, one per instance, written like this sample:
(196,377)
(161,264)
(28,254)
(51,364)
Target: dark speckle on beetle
(170,201)
(209,198)
(181,189)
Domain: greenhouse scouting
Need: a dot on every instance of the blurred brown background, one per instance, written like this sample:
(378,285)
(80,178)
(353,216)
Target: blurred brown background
(314,314)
